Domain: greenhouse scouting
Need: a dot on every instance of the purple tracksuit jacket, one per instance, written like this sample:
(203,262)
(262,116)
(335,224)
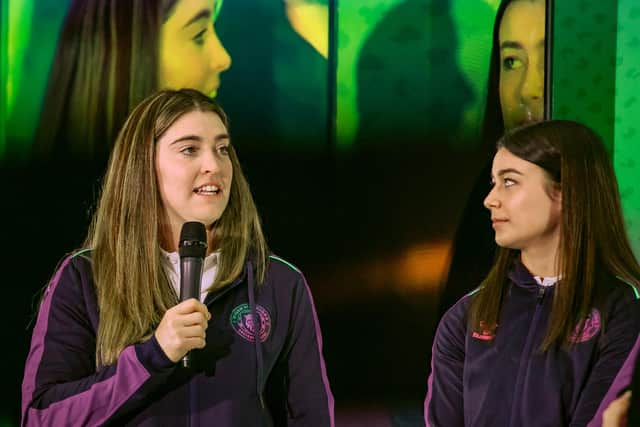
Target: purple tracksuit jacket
(262,364)
(480,379)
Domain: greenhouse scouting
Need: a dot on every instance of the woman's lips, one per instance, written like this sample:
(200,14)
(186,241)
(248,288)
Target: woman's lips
(498,221)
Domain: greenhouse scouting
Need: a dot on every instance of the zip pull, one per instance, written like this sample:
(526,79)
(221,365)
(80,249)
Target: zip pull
(263,405)
(541,292)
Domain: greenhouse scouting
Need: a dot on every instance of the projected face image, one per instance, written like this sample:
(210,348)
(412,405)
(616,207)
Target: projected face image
(521,39)
(310,19)
(191,55)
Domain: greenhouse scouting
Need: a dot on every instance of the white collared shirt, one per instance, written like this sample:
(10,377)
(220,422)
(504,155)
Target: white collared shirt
(209,271)
(546,281)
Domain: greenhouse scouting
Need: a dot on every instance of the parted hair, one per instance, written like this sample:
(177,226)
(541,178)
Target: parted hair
(130,224)
(593,239)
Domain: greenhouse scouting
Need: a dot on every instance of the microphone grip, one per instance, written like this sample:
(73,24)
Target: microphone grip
(190,280)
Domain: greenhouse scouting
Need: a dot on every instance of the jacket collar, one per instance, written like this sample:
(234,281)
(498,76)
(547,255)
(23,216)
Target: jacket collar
(211,297)
(522,277)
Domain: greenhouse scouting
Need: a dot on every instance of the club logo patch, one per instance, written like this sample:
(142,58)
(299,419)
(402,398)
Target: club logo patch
(242,322)
(589,330)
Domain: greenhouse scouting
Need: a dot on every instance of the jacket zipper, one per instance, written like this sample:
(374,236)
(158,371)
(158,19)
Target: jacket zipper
(189,403)
(526,351)
(191,391)
(193,401)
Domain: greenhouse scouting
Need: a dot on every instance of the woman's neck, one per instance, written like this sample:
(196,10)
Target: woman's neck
(540,262)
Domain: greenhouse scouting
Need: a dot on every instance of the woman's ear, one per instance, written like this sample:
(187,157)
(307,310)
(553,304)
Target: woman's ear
(556,193)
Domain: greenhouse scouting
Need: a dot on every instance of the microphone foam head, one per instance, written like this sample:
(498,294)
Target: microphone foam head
(193,240)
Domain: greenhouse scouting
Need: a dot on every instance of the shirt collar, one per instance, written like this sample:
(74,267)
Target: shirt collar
(521,276)
(174,258)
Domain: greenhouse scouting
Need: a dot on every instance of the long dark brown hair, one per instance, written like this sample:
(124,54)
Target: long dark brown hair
(106,62)
(593,239)
(130,223)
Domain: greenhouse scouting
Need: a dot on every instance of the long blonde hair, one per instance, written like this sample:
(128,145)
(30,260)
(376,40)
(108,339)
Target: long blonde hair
(132,288)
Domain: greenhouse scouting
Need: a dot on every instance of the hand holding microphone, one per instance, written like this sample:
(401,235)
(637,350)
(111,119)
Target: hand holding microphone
(183,327)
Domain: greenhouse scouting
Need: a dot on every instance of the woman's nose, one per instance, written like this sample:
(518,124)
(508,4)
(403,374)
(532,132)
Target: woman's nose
(220,59)
(491,201)
(209,163)
(533,83)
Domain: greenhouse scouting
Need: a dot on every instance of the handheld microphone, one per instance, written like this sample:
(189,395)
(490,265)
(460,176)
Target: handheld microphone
(192,249)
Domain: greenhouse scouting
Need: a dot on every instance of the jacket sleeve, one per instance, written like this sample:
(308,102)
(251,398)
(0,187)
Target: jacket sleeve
(61,382)
(443,405)
(309,398)
(613,368)
(634,408)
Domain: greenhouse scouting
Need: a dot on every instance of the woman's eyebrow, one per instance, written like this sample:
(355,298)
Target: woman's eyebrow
(190,137)
(186,138)
(502,172)
(203,14)
(508,44)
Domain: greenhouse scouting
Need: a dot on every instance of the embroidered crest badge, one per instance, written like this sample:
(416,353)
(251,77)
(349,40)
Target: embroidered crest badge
(242,322)
(586,329)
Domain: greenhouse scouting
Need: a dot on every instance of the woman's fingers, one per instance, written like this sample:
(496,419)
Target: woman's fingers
(616,413)
(183,328)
